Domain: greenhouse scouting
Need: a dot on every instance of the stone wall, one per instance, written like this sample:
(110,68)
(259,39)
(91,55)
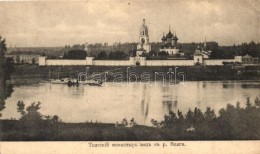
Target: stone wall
(112,62)
(169,63)
(135,61)
(52,62)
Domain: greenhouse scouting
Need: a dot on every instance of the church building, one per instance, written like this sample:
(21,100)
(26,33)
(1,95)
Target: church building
(144,45)
(203,51)
(170,44)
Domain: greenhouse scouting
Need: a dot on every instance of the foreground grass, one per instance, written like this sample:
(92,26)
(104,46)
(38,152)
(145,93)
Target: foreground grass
(12,130)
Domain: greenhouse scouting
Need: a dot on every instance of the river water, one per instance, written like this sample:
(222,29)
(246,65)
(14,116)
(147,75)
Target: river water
(113,102)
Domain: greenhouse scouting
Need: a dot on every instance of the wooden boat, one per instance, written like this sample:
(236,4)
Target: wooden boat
(91,82)
(60,81)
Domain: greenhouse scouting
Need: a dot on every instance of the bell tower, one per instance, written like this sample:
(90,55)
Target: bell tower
(144,37)
(144,43)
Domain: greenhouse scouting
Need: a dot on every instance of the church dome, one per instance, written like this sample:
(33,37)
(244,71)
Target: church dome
(163,38)
(175,38)
(169,35)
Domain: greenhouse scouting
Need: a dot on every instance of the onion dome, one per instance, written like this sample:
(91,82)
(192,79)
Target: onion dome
(163,38)
(175,37)
(169,35)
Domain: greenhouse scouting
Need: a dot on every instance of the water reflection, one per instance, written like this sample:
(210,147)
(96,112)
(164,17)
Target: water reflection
(145,103)
(113,102)
(227,85)
(168,106)
(250,85)
(169,98)
(75,90)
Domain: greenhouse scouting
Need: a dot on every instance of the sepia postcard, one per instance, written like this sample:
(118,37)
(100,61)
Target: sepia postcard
(132,76)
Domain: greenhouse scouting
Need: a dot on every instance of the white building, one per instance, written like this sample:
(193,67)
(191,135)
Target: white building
(249,60)
(27,57)
(204,51)
(144,45)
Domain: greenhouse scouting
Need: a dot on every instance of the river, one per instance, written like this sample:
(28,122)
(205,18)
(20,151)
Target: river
(113,102)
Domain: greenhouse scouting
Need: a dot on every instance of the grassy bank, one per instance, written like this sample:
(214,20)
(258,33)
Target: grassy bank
(13,130)
(24,73)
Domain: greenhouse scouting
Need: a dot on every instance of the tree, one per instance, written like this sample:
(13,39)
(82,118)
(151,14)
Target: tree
(257,102)
(18,59)
(55,119)
(102,55)
(31,118)
(215,54)
(75,54)
(180,116)
(155,123)
(163,53)
(117,55)
(170,120)
(6,68)
(21,107)
(153,53)
(2,73)
(209,114)
(251,48)
(248,104)
(43,54)
(124,122)
(33,60)
(190,117)
(198,116)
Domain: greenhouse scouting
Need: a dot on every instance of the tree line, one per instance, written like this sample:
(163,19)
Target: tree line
(116,50)
(6,69)
(233,122)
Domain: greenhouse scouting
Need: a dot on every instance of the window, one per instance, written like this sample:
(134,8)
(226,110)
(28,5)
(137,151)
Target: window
(143,40)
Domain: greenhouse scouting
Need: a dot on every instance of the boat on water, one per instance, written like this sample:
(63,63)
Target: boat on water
(60,81)
(90,81)
(73,81)
(68,81)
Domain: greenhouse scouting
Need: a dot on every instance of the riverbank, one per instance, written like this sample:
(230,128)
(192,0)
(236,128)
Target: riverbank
(25,73)
(11,131)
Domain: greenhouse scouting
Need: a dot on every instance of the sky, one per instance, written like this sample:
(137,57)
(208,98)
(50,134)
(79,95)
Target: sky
(57,23)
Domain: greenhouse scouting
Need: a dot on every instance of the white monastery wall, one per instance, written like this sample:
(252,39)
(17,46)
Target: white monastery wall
(112,62)
(169,63)
(133,61)
(58,62)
